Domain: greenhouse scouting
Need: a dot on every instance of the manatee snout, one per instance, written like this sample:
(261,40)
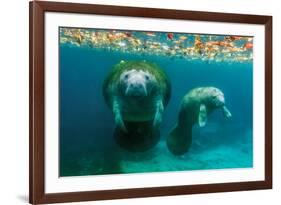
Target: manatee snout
(214,95)
(217,99)
(136,82)
(220,100)
(136,88)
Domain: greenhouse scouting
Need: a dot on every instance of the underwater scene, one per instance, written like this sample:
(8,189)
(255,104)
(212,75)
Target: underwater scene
(145,101)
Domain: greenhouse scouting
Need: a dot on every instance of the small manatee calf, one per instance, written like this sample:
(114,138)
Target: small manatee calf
(137,92)
(195,108)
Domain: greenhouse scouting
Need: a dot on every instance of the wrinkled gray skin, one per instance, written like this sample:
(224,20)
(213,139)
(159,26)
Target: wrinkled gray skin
(138,99)
(195,108)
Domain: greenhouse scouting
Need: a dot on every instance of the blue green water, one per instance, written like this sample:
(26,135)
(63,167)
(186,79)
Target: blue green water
(87,146)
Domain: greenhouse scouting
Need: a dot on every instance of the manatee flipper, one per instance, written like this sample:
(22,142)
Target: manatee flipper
(202,115)
(117,116)
(226,112)
(179,140)
(158,114)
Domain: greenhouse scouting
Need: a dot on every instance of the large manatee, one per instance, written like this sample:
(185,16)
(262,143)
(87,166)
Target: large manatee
(195,108)
(137,93)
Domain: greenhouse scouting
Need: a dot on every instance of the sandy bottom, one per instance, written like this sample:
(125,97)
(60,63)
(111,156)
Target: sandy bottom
(205,153)
(219,157)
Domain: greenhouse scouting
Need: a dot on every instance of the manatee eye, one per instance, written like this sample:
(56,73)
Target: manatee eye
(146,77)
(126,76)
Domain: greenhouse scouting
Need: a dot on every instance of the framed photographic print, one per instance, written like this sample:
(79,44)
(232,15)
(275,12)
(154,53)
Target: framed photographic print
(138,102)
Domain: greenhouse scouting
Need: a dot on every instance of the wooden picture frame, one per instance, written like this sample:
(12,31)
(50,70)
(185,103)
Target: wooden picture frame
(37,10)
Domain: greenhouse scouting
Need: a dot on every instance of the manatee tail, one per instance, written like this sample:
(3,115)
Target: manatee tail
(179,140)
(139,137)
